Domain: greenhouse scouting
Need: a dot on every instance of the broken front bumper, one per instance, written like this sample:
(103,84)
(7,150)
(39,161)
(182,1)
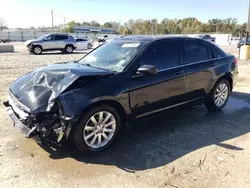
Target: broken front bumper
(17,123)
(51,136)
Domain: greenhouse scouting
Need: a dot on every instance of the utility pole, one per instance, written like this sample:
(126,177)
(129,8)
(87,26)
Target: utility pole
(52,19)
(216,27)
(248,24)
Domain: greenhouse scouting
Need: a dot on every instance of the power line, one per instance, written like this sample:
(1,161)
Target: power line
(43,14)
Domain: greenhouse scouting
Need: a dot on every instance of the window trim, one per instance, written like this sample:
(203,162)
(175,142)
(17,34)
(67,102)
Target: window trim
(194,63)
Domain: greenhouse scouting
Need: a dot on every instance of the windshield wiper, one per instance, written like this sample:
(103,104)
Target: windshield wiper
(87,64)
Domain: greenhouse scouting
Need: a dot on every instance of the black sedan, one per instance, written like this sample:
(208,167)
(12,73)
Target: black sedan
(88,101)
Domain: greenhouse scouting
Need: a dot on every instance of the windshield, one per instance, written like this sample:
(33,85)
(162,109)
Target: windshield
(114,55)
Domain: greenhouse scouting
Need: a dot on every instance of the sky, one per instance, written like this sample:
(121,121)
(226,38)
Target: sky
(27,13)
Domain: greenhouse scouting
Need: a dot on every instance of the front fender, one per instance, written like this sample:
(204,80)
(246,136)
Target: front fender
(74,103)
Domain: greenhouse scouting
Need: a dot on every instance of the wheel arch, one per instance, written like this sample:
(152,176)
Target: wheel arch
(228,77)
(39,45)
(115,104)
(109,102)
(69,45)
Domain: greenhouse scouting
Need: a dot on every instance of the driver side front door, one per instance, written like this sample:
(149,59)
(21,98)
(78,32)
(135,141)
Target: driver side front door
(153,93)
(48,42)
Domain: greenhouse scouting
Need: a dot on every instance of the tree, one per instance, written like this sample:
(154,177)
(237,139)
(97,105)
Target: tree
(95,24)
(107,24)
(85,24)
(2,24)
(68,29)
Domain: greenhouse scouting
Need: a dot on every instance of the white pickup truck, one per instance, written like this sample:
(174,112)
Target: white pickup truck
(207,38)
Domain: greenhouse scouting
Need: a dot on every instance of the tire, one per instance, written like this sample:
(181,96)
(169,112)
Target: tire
(218,103)
(89,46)
(69,49)
(84,135)
(37,50)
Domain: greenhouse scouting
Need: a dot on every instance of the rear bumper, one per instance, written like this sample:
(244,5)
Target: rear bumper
(235,76)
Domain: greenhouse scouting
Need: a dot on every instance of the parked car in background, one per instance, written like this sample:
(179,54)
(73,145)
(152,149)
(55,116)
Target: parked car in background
(88,101)
(63,42)
(83,44)
(101,39)
(4,40)
(243,42)
(207,38)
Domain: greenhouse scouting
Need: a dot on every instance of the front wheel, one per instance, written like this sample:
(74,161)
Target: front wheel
(97,129)
(37,50)
(219,96)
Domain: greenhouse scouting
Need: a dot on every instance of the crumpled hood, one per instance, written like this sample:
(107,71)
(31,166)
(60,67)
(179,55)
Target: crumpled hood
(38,89)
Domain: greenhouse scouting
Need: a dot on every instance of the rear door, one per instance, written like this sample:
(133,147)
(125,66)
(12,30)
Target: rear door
(153,93)
(60,41)
(199,67)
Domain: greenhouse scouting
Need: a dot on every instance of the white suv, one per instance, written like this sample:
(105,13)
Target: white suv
(63,42)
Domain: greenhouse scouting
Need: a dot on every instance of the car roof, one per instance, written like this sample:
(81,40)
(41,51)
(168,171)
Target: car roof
(150,38)
(64,34)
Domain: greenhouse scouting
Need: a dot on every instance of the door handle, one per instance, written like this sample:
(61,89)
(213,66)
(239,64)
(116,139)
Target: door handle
(177,73)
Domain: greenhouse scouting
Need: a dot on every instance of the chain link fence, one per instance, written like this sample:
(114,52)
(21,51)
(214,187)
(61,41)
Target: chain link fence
(22,36)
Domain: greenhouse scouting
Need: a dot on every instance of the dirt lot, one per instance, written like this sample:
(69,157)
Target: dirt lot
(188,148)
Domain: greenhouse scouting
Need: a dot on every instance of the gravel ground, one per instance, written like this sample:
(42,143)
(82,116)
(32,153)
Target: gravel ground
(200,149)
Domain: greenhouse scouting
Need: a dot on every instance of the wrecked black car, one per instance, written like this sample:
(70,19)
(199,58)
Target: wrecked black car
(87,102)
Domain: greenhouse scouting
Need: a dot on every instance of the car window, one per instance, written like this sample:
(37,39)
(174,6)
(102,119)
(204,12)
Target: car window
(217,52)
(48,38)
(60,37)
(163,55)
(194,52)
(80,40)
(206,37)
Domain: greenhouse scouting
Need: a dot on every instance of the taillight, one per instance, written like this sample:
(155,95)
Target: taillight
(235,61)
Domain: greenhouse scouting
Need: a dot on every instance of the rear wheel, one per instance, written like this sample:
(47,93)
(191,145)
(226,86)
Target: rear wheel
(219,96)
(69,49)
(37,50)
(89,46)
(97,129)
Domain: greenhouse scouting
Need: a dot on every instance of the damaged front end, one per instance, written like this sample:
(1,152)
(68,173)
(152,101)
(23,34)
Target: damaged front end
(48,127)
(33,103)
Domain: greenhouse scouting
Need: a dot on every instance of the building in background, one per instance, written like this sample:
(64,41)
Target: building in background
(90,29)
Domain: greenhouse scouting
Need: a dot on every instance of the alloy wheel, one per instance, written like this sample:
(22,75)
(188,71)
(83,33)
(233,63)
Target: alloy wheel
(37,50)
(69,49)
(221,94)
(99,129)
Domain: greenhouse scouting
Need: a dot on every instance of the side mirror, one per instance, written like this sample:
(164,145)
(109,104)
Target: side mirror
(147,70)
